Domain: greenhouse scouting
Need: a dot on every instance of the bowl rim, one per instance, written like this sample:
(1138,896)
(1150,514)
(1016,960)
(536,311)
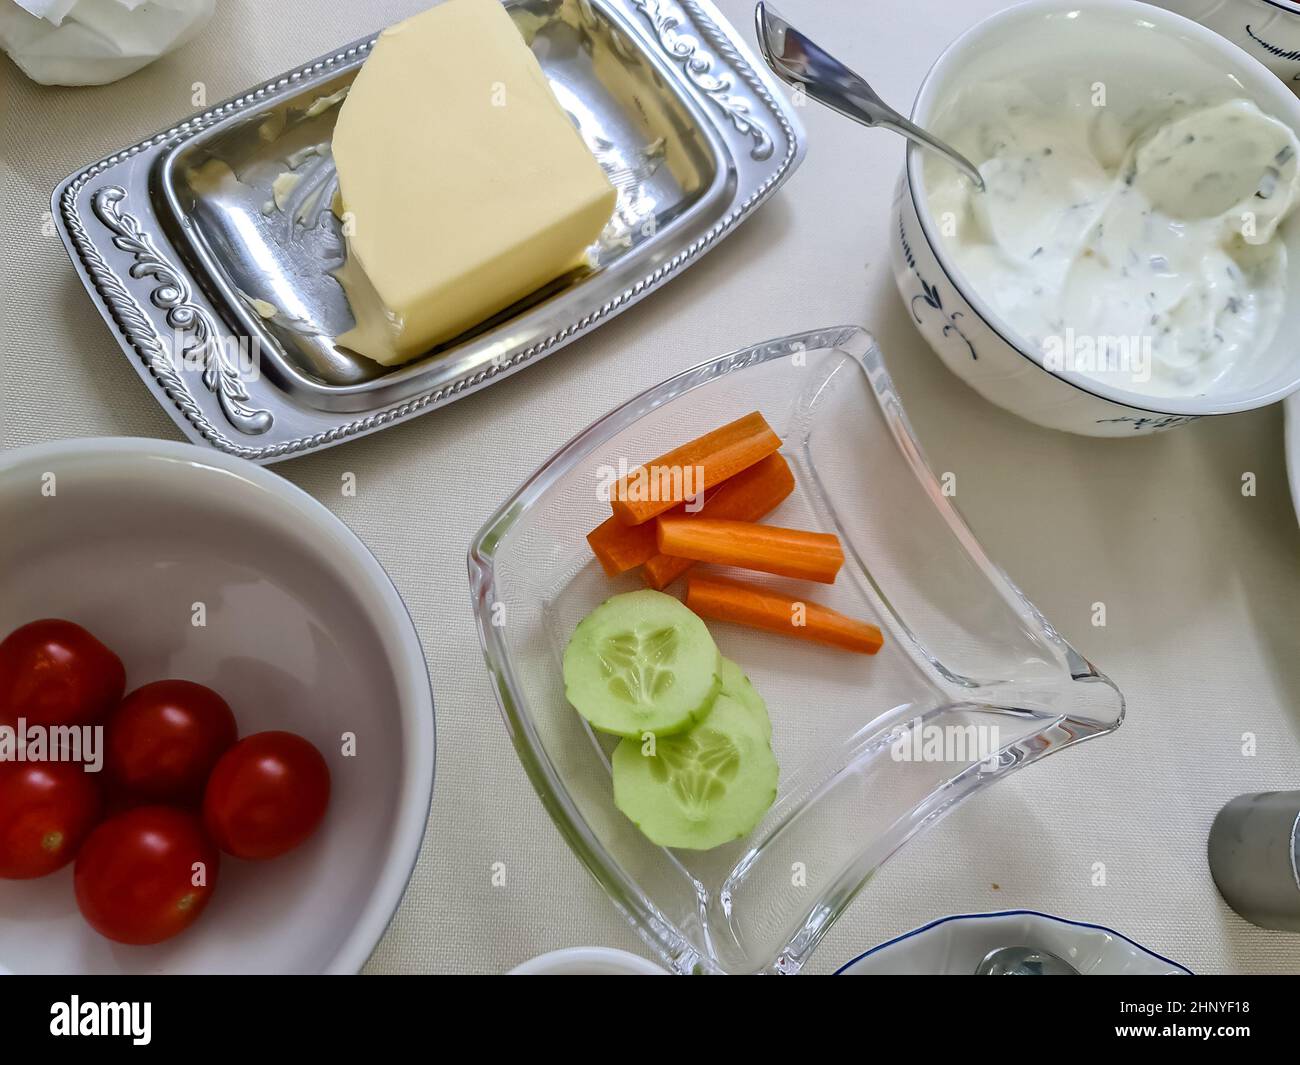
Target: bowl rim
(416,709)
(1292,7)
(1291,437)
(553,962)
(921,929)
(1260,81)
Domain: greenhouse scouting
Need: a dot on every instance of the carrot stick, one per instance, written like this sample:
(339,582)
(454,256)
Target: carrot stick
(751,494)
(796,553)
(762,608)
(620,547)
(692,468)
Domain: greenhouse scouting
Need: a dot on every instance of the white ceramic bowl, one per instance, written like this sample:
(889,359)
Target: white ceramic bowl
(588,961)
(304,631)
(1267,29)
(1117,41)
(955,946)
(1292,408)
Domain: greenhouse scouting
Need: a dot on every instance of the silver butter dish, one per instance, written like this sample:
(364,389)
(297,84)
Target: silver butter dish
(209,247)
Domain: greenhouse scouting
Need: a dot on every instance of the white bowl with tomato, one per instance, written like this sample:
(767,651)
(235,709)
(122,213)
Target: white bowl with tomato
(216,728)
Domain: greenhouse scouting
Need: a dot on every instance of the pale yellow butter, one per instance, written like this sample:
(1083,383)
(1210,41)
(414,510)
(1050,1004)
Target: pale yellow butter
(464,184)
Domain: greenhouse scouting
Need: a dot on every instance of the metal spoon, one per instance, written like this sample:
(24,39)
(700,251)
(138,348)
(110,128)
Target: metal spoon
(798,61)
(1024,961)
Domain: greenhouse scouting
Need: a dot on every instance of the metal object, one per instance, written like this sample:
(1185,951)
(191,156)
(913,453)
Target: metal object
(1024,961)
(216,276)
(799,61)
(1254,854)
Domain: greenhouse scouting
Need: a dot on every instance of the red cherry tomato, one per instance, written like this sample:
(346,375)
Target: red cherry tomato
(145,875)
(46,810)
(266,795)
(164,739)
(53,672)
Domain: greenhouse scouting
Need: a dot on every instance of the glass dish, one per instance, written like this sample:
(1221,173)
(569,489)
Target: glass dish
(965,653)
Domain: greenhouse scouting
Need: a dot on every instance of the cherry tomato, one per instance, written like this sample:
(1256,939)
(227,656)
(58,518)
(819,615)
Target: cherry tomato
(145,875)
(266,795)
(164,739)
(53,672)
(46,810)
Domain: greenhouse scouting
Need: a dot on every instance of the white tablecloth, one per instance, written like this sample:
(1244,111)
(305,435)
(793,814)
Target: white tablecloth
(1201,584)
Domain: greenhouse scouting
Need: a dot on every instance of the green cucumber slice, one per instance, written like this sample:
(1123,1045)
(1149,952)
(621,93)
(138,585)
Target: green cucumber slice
(701,788)
(641,662)
(739,687)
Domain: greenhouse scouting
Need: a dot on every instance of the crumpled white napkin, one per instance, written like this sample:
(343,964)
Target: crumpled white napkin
(93,42)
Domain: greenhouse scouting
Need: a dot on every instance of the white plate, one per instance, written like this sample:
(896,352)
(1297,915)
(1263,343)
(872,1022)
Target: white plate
(956,945)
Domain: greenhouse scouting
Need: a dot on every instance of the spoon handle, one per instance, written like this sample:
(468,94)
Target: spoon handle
(800,61)
(917,135)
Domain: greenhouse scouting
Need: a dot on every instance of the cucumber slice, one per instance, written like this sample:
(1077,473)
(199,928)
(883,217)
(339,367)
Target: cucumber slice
(738,686)
(701,788)
(641,662)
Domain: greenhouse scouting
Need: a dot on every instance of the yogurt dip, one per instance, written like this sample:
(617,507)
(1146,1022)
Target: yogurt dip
(1140,247)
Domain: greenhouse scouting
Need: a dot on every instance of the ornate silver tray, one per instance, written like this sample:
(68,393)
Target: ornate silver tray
(209,247)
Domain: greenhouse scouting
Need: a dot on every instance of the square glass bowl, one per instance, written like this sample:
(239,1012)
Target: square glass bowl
(972,681)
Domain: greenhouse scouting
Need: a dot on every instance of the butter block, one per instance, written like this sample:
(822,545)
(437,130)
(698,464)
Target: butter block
(464,184)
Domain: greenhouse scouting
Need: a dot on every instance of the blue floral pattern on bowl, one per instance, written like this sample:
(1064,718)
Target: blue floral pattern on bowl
(930,295)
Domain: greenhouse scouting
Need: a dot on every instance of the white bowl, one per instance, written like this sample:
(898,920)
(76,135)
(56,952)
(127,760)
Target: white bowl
(954,946)
(1120,40)
(1267,29)
(304,631)
(588,961)
(1292,409)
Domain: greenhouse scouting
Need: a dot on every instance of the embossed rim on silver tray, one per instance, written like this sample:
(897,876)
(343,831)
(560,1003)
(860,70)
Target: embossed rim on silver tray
(212,404)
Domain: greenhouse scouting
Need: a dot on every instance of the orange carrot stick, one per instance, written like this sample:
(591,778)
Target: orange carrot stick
(748,496)
(796,553)
(686,471)
(762,608)
(620,547)
(751,494)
